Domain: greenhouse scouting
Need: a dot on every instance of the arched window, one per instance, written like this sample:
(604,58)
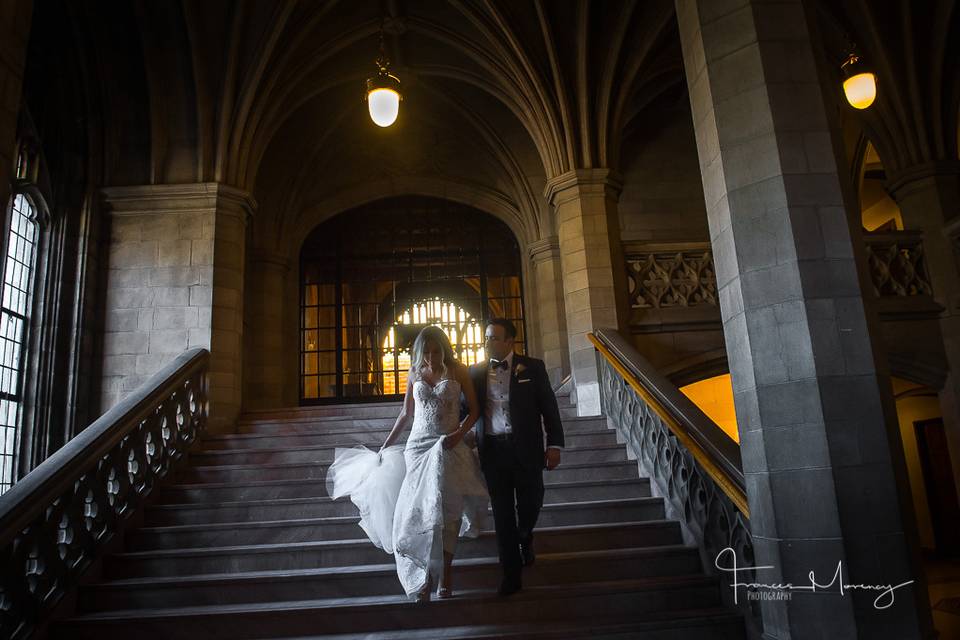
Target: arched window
(464,331)
(878,211)
(20,249)
(373,277)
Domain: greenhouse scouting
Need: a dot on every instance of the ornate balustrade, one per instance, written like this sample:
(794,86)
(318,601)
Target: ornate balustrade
(690,461)
(678,275)
(897,264)
(662,276)
(57,519)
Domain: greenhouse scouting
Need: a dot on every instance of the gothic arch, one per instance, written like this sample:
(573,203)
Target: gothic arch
(525,228)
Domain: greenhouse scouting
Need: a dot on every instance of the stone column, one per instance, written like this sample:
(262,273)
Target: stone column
(264,363)
(174,282)
(548,276)
(824,468)
(15,17)
(929,200)
(594,273)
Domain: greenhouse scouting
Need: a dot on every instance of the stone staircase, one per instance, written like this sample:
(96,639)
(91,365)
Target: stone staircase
(245,543)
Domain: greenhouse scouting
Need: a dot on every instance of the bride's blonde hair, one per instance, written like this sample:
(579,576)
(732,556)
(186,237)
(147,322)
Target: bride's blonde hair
(435,335)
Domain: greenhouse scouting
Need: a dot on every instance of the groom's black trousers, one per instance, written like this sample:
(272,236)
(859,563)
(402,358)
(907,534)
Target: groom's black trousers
(516,495)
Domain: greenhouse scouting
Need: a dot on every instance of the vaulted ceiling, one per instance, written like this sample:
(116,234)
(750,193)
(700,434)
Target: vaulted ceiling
(499,96)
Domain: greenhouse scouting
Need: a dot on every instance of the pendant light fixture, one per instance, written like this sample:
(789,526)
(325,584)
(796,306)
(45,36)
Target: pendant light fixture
(860,83)
(383,91)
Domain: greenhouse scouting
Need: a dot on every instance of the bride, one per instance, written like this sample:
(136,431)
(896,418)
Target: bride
(417,503)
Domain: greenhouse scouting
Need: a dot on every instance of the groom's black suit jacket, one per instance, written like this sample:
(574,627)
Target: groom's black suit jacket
(530,399)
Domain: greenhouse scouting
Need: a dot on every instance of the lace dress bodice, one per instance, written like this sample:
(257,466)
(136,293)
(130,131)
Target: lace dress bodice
(436,408)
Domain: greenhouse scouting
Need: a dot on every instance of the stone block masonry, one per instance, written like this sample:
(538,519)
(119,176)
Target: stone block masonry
(175,281)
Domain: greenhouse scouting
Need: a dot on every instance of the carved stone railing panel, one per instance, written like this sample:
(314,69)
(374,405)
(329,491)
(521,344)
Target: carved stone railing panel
(55,521)
(708,514)
(897,264)
(681,277)
(682,274)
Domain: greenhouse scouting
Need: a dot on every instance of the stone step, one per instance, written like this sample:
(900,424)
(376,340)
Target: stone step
(381,579)
(347,424)
(701,624)
(325,453)
(566,472)
(359,409)
(286,489)
(637,598)
(251,513)
(369,437)
(343,553)
(351,408)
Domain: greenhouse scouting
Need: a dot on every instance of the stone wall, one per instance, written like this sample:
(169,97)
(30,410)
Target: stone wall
(662,197)
(661,211)
(175,282)
(268,372)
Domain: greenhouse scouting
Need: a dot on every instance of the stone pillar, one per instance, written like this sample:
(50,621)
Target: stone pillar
(15,17)
(825,473)
(929,200)
(174,282)
(594,273)
(548,276)
(264,363)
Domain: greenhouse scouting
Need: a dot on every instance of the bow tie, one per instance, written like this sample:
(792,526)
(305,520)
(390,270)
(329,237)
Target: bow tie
(499,364)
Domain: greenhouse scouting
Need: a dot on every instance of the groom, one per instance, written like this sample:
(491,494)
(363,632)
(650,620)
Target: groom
(518,404)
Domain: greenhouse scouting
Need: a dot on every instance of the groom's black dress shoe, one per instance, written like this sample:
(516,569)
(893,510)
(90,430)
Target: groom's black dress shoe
(526,552)
(509,586)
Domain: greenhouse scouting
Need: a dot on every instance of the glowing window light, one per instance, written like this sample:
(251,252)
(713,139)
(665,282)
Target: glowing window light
(464,333)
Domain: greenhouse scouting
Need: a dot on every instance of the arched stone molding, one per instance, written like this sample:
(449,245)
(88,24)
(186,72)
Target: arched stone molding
(488,200)
(499,162)
(279,266)
(702,366)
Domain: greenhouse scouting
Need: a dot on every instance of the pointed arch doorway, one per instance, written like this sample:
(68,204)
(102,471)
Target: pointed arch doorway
(372,277)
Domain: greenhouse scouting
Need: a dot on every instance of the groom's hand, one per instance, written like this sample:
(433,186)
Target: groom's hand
(551,458)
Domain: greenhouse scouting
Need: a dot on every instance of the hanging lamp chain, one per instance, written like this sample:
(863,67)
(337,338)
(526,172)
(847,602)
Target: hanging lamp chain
(383,64)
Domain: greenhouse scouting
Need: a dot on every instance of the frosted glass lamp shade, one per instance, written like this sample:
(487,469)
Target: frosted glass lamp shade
(384,106)
(860,90)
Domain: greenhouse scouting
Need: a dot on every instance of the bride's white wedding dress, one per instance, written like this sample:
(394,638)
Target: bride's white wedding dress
(417,503)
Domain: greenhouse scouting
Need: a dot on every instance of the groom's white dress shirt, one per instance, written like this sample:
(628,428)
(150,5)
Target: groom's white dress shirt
(498,399)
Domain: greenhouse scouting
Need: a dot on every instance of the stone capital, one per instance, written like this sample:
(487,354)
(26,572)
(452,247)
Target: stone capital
(166,199)
(583,183)
(269,259)
(921,177)
(544,249)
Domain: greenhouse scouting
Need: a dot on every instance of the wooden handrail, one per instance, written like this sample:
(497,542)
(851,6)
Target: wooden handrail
(720,469)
